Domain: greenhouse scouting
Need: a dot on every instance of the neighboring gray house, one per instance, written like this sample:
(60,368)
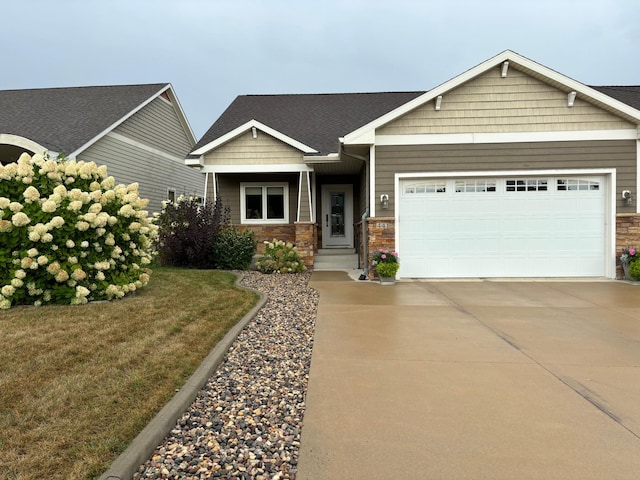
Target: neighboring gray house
(510,169)
(138,131)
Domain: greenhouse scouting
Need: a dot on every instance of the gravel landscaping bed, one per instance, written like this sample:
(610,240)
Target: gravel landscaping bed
(245,423)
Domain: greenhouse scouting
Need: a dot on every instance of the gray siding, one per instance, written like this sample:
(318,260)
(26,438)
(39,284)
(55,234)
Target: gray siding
(158,125)
(620,155)
(229,191)
(155,174)
(305,215)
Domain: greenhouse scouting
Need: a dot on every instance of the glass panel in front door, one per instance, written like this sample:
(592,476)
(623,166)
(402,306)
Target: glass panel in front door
(337,214)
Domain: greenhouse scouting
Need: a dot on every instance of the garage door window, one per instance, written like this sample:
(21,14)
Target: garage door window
(574,184)
(480,185)
(428,187)
(527,185)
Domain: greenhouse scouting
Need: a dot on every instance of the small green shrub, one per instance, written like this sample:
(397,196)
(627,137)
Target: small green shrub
(234,249)
(280,257)
(387,269)
(634,269)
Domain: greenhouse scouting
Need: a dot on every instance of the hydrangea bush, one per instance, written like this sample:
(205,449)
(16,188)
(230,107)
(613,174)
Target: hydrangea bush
(69,235)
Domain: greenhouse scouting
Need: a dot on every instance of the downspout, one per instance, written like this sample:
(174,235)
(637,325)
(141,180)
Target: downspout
(365,244)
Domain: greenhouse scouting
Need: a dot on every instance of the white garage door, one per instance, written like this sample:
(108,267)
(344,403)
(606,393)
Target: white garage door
(502,227)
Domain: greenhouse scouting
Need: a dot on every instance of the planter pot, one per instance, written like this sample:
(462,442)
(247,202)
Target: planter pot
(625,267)
(387,280)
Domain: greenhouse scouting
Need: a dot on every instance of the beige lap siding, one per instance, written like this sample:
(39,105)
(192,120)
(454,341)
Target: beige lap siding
(617,154)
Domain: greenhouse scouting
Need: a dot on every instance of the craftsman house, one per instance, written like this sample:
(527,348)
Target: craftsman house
(138,131)
(510,169)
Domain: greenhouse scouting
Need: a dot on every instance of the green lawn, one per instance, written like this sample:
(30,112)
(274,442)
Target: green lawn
(77,383)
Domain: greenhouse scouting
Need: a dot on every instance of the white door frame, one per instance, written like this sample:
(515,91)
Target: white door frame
(327,240)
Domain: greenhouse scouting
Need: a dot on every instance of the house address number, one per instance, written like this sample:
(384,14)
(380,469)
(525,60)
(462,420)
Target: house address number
(382,225)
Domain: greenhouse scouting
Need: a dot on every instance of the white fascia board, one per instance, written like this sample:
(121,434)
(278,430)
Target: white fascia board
(194,162)
(247,126)
(511,137)
(120,121)
(356,136)
(507,173)
(270,168)
(330,158)
(181,115)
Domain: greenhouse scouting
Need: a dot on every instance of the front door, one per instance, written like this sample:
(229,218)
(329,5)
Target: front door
(337,216)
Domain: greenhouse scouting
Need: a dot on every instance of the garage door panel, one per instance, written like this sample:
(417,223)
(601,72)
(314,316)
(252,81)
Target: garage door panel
(503,233)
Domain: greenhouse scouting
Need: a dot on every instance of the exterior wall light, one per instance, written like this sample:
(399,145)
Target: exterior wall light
(627,197)
(384,200)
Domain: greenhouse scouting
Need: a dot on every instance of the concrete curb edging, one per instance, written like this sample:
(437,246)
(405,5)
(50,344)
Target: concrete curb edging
(142,447)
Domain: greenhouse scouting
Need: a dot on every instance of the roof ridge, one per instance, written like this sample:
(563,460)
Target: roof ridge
(84,87)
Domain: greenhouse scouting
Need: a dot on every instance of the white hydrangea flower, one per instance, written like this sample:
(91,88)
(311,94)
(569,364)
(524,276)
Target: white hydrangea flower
(5,226)
(56,222)
(21,274)
(61,191)
(31,194)
(15,207)
(82,226)
(20,219)
(49,206)
(8,290)
(42,260)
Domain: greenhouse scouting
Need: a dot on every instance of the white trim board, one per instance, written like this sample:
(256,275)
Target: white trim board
(514,137)
(269,168)
(248,126)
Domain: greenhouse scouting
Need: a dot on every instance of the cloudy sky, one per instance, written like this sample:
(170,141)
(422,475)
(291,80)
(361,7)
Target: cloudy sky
(213,50)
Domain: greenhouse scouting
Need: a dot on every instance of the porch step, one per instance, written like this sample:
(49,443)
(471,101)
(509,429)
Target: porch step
(335,259)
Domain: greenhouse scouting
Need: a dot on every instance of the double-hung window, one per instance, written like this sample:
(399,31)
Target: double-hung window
(264,203)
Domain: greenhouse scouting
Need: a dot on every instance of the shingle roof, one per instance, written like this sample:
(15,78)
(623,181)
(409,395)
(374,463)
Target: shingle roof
(64,119)
(626,94)
(319,120)
(315,120)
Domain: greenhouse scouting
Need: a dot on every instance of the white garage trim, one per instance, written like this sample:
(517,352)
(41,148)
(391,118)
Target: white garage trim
(509,137)
(609,176)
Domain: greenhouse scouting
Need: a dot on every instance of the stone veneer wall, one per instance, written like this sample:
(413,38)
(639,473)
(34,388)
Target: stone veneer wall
(306,241)
(627,235)
(381,234)
(301,234)
(266,233)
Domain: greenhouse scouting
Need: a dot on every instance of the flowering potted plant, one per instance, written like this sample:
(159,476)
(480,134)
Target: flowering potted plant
(387,265)
(627,258)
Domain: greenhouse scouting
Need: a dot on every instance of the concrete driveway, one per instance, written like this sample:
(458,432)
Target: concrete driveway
(473,380)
